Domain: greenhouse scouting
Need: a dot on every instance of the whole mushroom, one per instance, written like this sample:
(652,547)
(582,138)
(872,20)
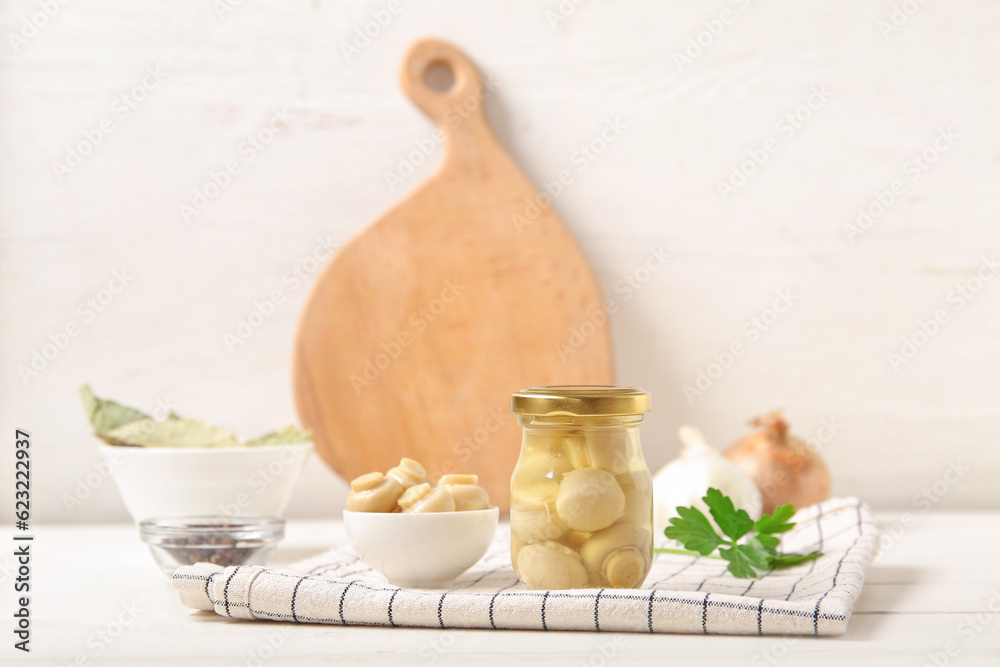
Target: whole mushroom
(550,565)
(590,499)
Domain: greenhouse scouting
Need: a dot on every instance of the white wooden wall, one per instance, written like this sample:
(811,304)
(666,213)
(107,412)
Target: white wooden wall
(843,103)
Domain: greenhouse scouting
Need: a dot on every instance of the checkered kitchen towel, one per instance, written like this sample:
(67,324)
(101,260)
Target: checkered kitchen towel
(681,594)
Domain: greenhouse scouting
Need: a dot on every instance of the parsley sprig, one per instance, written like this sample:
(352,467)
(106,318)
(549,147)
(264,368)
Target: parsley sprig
(759,549)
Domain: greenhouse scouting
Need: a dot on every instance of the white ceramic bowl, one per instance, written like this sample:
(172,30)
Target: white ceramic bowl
(164,482)
(421,550)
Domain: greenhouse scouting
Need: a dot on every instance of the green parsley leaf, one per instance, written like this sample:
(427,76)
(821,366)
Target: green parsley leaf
(767,542)
(746,551)
(733,522)
(779,561)
(694,531)
(777,521)
(745,560)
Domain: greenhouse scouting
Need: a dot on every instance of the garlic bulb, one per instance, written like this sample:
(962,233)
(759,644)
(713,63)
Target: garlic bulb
(685,480)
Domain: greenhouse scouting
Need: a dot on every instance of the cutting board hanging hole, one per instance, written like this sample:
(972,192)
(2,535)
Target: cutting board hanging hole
(439,78)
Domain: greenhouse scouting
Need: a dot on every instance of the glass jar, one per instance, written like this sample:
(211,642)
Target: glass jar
(581,496)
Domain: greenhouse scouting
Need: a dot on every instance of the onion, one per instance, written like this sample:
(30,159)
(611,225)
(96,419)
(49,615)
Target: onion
(785,469)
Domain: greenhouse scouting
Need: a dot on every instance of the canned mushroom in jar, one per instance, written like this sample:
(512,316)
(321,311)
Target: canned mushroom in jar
(581,496)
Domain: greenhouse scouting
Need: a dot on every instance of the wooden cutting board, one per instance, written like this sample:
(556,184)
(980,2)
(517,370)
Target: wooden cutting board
(470,288)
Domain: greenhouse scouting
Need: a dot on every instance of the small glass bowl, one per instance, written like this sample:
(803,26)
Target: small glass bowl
(222,540)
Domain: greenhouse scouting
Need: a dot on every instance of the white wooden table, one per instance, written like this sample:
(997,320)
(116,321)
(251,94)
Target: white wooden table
(99,599)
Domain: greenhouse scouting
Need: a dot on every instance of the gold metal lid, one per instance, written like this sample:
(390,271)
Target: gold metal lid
(580,400)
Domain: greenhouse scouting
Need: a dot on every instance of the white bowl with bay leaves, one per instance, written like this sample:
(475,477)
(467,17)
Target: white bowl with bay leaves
(182,467)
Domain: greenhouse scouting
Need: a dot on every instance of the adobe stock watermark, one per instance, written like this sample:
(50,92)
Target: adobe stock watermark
(33,23)
(924,500)
(562,12)
(248,150)
(268,647)
(605,651)
(900,15)
(967,631)
(223,8)
(465,447)
(703,40)
(121,109)
(785,128)
(291,280)
(8,568)
(261,479)
(770,656)
(580,160)
(454,118)
(434,648)
(927,329)
(417,323)
(41,357)
(913,170)
(102,470)
(626,287)
(102,639)
(750,333)
(366,33)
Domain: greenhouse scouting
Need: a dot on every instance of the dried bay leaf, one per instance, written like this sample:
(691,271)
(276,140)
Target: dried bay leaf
(105,415)
(120,425)
(290,435)
(179,432)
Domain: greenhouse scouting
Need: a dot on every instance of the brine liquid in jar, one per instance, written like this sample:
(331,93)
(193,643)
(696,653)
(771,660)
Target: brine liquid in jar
(581,496)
